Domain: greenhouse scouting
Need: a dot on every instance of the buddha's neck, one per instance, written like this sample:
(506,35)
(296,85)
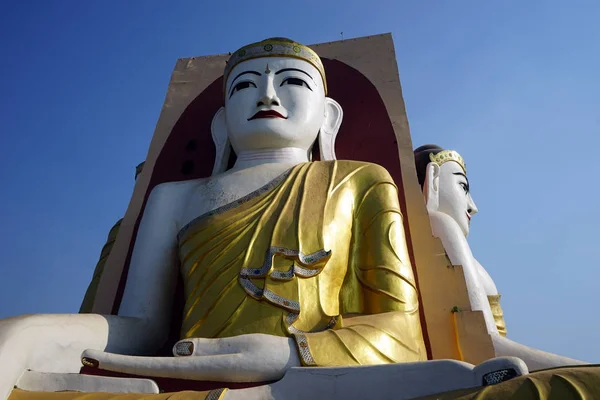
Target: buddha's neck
(286,155)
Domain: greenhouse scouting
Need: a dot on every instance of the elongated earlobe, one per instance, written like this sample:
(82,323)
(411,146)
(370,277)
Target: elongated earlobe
(329,130)
(431,187)
(218,130)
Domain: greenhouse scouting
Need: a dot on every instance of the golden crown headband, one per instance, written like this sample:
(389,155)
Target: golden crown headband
(274,47)
(448,155)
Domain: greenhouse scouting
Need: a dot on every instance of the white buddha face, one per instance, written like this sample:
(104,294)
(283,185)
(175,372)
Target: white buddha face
(454,195)
(274,102)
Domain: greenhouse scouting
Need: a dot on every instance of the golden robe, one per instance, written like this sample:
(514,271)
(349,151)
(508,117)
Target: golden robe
(318,254)
(497,313)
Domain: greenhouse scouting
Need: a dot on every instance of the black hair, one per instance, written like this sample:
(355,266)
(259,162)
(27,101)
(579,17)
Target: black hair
(422,159)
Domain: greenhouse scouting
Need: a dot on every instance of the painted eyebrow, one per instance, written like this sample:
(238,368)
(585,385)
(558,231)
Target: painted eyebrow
(294,69)
(463,175)
(242,73)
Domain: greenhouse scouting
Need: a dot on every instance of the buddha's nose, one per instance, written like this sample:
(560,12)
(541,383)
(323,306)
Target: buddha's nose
(269,96)
(472,210)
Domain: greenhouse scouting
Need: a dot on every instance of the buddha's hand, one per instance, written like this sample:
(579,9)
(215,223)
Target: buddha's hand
(259,356)
(13,355)
(245,358)
(49,343)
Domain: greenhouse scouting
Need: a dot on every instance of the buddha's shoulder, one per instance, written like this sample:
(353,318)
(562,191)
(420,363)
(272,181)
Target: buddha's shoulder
(350,170)
(174,191)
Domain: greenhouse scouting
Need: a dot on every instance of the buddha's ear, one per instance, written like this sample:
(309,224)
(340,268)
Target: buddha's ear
(431,187)
(218,129)
(331,125)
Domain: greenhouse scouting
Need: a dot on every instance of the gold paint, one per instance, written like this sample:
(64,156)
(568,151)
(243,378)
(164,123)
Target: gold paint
(367,274)
(90,362)
(197,294)
(448,155)
(376,216)
(497,313)
(206,315)
(457,336)
(373,189)
(340,182)
(90,294)
(474,347)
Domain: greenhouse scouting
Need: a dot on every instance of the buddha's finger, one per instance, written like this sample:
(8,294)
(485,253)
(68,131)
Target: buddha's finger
(204,347)
(220,368)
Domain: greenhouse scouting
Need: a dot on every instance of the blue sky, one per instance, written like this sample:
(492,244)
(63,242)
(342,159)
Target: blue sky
(512,85)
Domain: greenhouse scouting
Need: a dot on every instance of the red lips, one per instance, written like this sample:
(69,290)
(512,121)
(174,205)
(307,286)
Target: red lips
(266,114)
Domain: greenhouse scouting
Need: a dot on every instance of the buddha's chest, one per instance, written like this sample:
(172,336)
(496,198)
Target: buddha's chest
(277,256)
(210,194)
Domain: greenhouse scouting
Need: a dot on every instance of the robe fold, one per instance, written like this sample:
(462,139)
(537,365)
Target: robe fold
(318,254)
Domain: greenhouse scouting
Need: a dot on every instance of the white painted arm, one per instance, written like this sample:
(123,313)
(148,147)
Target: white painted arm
(535,359)
(152,275)
(486,280)
(54,343)
(410,380)
(458,250)
(244,358)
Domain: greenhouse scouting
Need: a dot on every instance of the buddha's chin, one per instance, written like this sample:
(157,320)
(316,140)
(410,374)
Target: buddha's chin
(463,224)
(464,227)
(271,135)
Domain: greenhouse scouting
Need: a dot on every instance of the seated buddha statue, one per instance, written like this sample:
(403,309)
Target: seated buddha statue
(285,262)
(442,175)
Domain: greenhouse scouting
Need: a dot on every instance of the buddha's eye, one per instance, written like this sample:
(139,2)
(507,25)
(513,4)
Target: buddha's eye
(242,86)
(295,81)
(464,186)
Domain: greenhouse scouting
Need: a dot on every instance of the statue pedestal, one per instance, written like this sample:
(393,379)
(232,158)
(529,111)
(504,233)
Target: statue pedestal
(399,381)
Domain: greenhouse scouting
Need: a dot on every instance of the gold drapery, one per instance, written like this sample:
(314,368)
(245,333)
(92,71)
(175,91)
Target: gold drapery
(319,253)
(90,294)
(497,313)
